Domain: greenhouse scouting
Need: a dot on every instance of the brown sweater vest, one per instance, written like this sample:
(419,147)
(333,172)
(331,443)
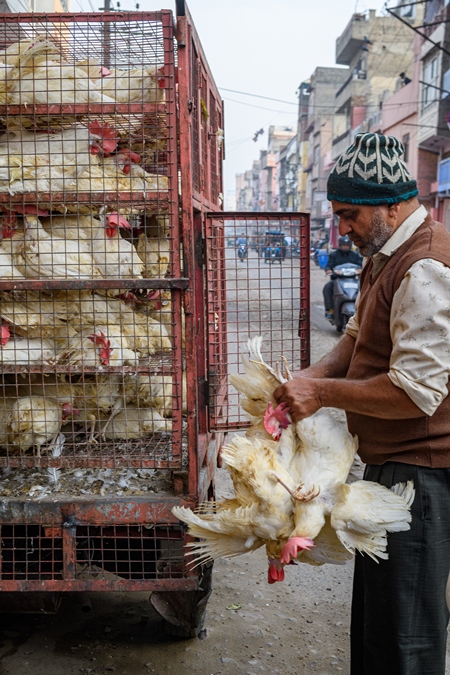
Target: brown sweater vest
(425,440)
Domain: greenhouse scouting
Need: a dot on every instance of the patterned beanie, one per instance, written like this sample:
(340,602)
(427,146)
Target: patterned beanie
(371,172)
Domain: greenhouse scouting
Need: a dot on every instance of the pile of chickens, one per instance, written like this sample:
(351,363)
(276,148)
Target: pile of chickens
(290,489)
(71,331)
(78,157)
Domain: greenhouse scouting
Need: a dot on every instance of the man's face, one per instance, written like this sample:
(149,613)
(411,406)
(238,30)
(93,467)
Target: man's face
(366,226)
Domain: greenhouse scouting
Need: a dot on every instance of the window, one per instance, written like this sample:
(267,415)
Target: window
(431,81)
(316,154)
(405,141)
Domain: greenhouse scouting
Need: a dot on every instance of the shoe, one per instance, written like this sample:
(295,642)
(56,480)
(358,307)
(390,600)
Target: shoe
(329,316)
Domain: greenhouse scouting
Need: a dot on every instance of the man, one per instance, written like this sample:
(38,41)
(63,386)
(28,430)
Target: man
(389,373)
(242,240)
(343,254)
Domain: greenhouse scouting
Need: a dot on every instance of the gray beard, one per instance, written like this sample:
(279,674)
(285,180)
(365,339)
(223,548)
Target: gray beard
(379,235)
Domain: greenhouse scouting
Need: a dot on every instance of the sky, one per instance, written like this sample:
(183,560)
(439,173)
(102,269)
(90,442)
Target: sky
(262,47)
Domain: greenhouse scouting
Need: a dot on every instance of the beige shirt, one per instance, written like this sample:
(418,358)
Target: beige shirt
(420,323)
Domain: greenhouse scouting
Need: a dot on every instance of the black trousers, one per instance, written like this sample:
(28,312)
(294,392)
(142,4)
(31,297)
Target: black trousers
(399,609)
(328,295)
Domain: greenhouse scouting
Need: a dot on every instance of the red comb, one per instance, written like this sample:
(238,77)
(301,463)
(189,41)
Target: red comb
(4,335)
(116,219)
(133,156)
(98,338)
(104,71)
(103,130)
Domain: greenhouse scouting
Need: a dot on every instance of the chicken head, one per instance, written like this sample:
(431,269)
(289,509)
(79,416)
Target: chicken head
(275,420)
(106,351)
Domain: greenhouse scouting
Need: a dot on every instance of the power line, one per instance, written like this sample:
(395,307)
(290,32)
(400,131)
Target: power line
(284,112)
(246,93)
(436,44)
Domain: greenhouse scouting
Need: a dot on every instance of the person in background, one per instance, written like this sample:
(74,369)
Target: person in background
(390,373)
(242,240)
(343,254)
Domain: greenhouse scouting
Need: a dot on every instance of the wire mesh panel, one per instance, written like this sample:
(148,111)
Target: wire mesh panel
(257,284)
(90,266)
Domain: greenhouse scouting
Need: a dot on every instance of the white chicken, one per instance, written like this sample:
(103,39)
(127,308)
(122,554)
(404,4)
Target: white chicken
(39,75)
(24,351)
(92,398)
(155,254)
(145,84)
(133,422)
(115,257)
(94,348)
(111,176)
(72,227)
(42,256)
(153,391)
(41,162)
(34,315)
(35,421)
(7,268)
(325,519)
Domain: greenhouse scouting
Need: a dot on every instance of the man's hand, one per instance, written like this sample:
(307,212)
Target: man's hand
(328,271)
(302,395)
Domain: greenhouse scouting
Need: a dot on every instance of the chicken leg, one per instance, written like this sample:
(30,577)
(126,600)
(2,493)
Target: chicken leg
(297,494)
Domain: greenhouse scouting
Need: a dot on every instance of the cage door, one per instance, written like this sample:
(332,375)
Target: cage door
(257,283)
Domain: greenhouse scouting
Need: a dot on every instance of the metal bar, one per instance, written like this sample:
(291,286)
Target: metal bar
(101,462)
(69,552)
(93,510)
(175,243)
(256,215)
(85,197)
(91,284)
(425,37)
(84,17)
(193,321)
(153,366)
(82,109)
(104,585)
(433,86)
(304,323)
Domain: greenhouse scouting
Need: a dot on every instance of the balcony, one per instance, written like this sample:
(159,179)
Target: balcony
(351,39)
(353,89)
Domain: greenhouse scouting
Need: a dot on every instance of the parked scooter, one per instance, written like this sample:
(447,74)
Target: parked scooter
(242,252)
(346,288)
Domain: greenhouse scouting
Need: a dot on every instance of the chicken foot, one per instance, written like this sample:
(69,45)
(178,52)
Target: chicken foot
(50,446)
(115,410)
(297,494)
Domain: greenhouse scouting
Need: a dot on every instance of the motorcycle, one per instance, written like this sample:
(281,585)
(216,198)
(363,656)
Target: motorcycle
(242,252)
(346,288)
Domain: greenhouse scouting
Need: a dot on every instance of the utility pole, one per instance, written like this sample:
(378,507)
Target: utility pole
(106,35)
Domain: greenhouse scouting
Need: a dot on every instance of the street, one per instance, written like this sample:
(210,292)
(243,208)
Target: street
(297,627)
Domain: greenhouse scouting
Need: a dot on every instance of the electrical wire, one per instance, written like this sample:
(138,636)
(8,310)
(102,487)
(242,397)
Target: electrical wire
(268,98)
(250,105)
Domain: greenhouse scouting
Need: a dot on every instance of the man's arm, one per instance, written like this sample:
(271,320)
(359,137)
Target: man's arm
(317,387)
(376,397)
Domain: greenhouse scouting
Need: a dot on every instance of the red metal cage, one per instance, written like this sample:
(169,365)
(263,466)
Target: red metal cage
(123,305)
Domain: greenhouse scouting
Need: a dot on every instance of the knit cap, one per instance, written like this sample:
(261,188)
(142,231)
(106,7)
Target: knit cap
(372,172)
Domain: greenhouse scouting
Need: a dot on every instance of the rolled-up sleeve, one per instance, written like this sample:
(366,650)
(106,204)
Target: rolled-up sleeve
(352,326)
(420,333)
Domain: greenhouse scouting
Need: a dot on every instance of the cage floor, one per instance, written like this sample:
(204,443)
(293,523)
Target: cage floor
(43,483)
